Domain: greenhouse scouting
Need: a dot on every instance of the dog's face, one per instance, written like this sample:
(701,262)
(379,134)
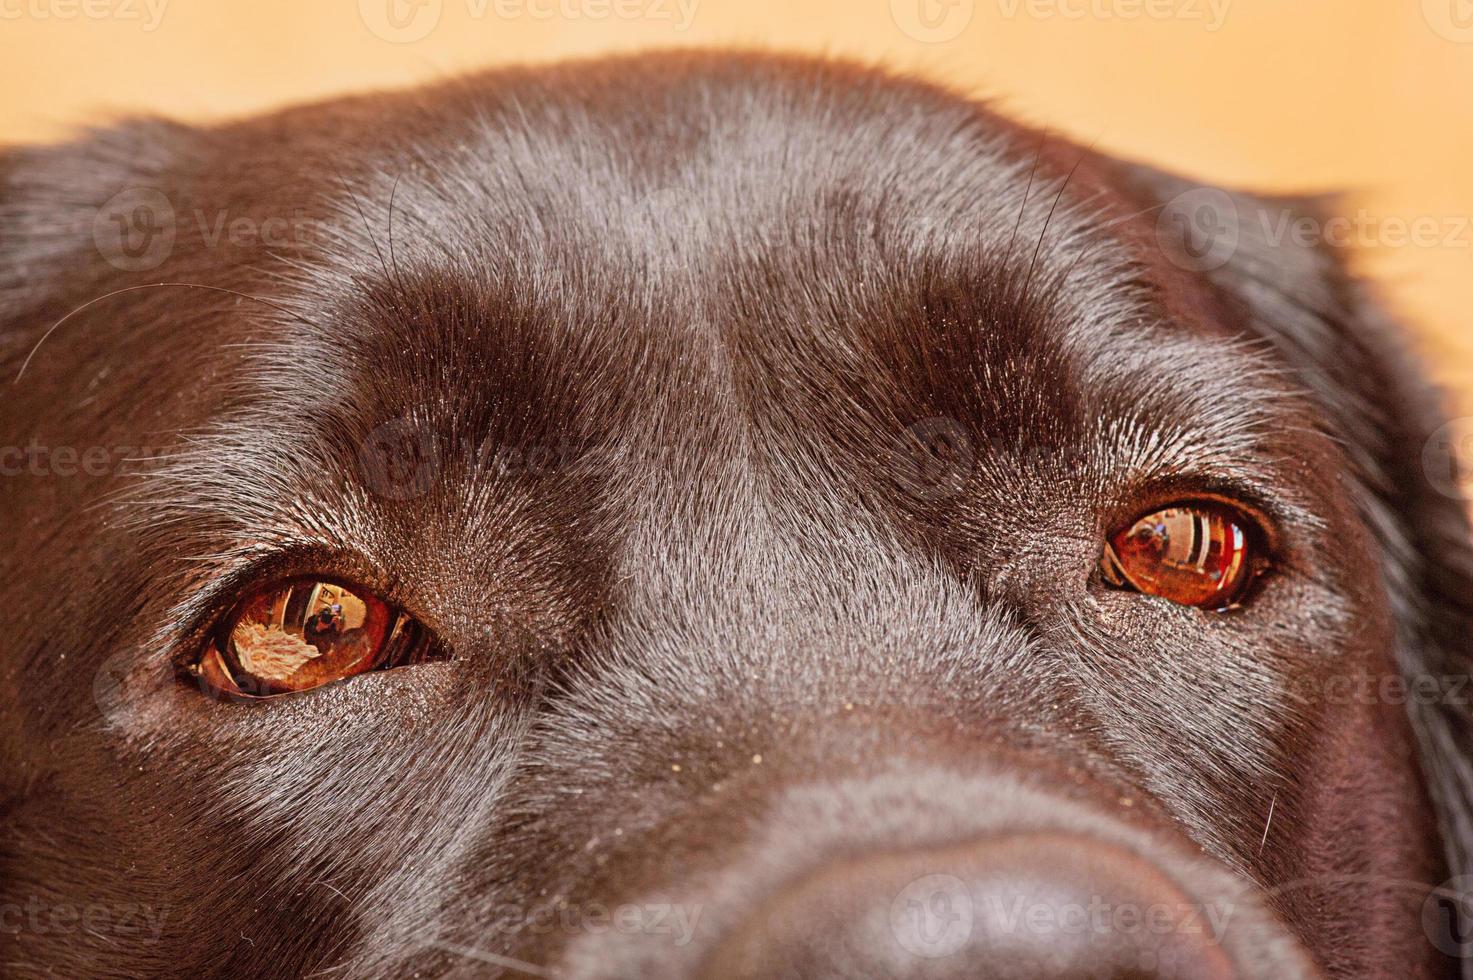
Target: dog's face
(705,517)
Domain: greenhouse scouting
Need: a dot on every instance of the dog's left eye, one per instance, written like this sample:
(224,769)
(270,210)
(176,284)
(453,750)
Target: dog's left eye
(303,634)
(1203,554)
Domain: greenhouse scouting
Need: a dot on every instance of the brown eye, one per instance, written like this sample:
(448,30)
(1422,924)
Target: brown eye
(1199,554)
(304,634)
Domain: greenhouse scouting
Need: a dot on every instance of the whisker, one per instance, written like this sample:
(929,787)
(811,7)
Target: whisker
(1048,220)
(495,959)
(1027,191)
(394,259)
(367,228)
(155,285)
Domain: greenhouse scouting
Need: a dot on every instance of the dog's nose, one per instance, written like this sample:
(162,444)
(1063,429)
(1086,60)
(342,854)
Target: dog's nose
(1025,905)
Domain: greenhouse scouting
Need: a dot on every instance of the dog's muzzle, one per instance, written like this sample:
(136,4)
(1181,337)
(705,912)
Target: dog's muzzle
(975,879)
(1020,905)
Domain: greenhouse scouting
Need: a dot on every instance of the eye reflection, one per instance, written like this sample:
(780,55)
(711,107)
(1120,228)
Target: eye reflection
(1200,554)
(305,634)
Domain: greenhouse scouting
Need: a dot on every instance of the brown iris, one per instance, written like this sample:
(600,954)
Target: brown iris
(303,634)
(1198,554)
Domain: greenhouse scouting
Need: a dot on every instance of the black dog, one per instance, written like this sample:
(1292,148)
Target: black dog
(824,530)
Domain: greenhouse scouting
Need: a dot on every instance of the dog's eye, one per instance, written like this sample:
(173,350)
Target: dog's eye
(1198,554)
(306,633)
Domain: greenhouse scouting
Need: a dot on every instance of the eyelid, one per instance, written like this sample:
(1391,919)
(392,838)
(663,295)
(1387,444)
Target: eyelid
(1271,512)
(226,576)
(1201,553)
(298,634)
(207,607)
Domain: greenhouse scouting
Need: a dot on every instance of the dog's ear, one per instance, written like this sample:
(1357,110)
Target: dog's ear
(1274,261)
(80,221)
(86,211)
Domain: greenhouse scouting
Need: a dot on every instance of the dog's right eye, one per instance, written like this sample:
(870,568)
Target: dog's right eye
(1204,554)
(303,634)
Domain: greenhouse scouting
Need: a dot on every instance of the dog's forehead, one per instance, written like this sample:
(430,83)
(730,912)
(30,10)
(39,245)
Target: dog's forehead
(663,234)
(702,285)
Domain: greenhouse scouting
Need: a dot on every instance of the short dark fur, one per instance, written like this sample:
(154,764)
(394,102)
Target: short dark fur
(673,332)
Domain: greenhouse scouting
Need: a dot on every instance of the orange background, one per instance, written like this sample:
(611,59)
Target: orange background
(1371,96)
